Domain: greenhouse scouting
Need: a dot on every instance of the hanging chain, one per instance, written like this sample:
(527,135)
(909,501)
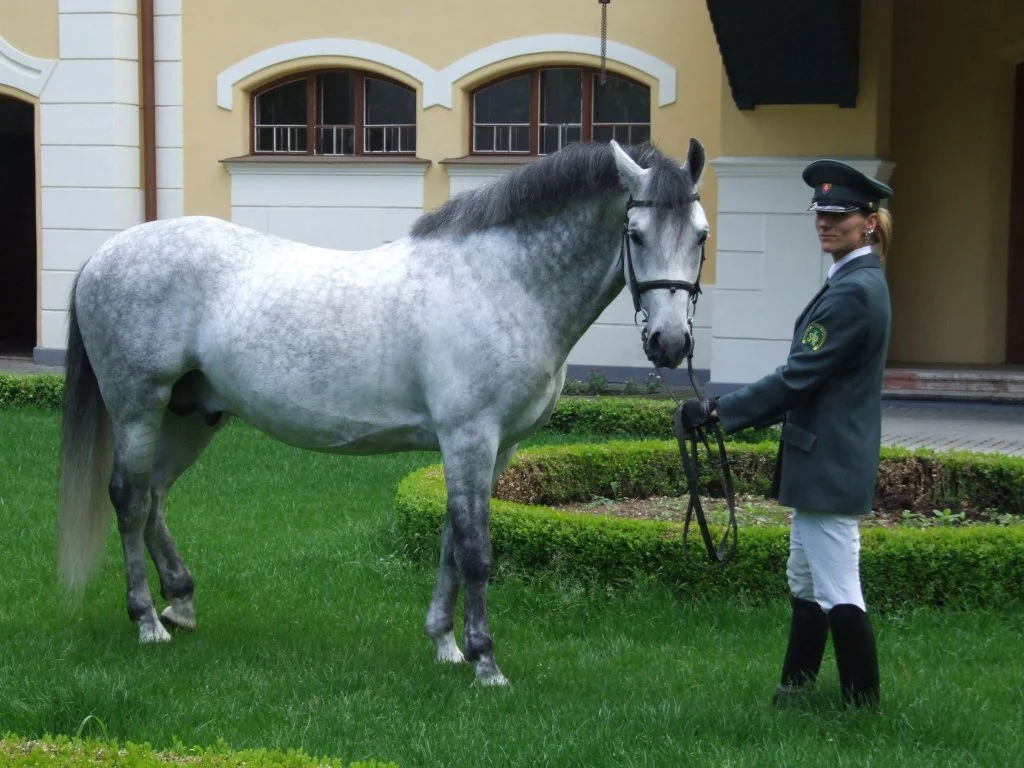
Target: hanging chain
(604,36)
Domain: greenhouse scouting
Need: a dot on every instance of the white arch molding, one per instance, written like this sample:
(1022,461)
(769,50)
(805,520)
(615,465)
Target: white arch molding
(438,84)
(24,72)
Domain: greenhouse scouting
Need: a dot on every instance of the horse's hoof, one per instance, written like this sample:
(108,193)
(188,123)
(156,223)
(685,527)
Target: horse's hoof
(179,617)
(153,632)
(488,674)
(448,650)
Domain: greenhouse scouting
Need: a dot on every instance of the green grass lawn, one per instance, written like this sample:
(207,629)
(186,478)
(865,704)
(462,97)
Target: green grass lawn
(309,637)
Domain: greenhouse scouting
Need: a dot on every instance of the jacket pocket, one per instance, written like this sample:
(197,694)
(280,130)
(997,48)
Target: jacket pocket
(797,437)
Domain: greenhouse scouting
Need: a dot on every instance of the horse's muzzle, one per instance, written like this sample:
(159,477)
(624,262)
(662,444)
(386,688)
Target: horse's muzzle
(668,351)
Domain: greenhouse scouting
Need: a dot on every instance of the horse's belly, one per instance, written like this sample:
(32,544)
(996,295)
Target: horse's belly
(343,435)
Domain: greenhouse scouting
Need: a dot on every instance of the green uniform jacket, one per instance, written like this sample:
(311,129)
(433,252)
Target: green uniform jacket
(830,393)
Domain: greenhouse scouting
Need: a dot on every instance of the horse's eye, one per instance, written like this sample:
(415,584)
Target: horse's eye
(636,237)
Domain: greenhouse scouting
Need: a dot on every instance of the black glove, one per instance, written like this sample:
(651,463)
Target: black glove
(696,412)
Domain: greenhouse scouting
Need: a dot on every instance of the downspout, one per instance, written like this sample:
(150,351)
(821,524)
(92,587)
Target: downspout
(147,99)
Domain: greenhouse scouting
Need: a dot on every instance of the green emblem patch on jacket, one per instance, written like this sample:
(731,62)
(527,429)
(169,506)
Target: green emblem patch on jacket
(814,336)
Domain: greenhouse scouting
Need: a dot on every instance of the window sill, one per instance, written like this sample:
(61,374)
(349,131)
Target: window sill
(494,159)
(326,165)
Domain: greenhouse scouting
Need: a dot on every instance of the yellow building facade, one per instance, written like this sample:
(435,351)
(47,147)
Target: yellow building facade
(133,109)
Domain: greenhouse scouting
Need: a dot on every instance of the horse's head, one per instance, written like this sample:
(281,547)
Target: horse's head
(664,248)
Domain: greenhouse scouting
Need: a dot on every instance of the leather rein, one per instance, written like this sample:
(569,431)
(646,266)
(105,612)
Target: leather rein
(689,439)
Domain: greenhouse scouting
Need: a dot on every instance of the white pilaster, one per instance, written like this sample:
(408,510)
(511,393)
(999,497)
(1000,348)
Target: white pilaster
(90,160)
(769,264)
(170,153)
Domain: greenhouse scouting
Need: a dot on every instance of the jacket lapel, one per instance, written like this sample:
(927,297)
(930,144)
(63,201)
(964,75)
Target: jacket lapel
(867,261)
(810,304)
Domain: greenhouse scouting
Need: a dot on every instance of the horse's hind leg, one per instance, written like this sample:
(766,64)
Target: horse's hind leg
(182,440)
(135,440)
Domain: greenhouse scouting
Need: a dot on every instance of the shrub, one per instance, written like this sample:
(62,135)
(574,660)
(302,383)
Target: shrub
(629,417)
(904,566)
(44,390)
(76,753)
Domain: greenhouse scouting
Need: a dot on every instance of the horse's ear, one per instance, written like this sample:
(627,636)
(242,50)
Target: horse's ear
(695,160)
(632,175)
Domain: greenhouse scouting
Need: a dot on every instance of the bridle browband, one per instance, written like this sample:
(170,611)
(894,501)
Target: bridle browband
(688,438)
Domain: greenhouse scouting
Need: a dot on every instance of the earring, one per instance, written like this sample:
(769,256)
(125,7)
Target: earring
(869,233)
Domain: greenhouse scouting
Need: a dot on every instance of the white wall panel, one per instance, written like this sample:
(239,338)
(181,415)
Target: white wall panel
(94,81)
(89,166)
(81,208)
(69,249)
(55,289)
(99,36)
(328,205)
(89,124)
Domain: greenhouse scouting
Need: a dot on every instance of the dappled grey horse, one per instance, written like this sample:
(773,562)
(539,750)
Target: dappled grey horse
(453,338)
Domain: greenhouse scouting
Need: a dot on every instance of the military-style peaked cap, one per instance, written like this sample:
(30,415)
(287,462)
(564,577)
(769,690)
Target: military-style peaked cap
(840,188)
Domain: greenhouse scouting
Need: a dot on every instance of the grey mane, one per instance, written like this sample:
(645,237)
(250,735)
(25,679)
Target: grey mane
(545,185)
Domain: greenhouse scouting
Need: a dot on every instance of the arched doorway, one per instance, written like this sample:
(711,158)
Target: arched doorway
(18,269)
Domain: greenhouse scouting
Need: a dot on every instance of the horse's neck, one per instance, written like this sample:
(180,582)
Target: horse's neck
(570,265)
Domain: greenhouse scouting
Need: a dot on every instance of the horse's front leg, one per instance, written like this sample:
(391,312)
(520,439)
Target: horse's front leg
(440,623)
(469,467)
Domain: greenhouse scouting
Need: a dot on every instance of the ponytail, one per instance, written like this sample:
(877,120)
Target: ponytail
(882,237)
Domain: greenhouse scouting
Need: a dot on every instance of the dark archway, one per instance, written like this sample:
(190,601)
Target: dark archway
(18,268)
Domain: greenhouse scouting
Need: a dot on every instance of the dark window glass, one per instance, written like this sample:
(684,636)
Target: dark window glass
(561,96)
(389,103)
(621,101)
(504,102)
(283,105)
(337,98)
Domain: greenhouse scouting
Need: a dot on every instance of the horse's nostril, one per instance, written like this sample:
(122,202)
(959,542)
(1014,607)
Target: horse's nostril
(653,340)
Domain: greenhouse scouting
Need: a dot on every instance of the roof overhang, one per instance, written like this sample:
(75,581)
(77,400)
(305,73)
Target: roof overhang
(789,51)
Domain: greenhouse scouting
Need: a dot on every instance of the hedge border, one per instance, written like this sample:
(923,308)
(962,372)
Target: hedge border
(606,416)
(901,567)
(82,753)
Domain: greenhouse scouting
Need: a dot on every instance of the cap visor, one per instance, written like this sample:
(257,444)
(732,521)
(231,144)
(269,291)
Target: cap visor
(832,208)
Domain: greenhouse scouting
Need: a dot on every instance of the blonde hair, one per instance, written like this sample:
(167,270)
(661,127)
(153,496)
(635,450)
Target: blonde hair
(881,237)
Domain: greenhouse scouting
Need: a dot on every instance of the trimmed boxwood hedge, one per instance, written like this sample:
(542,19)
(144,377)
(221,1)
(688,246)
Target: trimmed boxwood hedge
(77,753)
(629,417)
(42,390)
(624,417)
(973,566)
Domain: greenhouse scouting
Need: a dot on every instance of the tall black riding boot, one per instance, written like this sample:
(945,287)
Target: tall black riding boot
(856,656)
(808,633)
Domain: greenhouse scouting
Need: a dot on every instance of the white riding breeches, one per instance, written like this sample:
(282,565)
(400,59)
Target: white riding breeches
(824,559)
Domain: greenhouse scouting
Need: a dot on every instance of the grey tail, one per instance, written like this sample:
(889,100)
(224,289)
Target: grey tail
(86,460)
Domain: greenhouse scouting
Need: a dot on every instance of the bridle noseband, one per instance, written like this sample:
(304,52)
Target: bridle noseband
(688,438)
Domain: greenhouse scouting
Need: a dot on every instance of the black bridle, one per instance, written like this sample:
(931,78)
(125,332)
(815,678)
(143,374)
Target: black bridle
(689,439)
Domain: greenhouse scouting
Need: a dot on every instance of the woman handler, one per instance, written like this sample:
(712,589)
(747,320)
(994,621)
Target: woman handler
(829,395)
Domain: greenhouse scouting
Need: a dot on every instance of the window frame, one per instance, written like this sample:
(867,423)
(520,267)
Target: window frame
(359,113)
(590,75)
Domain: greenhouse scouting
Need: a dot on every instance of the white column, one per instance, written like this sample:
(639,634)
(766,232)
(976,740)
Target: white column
(90,160)
(170,160)
(769,264)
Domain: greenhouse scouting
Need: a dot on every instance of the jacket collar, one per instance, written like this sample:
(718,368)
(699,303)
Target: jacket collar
(867,261)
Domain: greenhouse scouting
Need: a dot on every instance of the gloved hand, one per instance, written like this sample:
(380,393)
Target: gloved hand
(696,412)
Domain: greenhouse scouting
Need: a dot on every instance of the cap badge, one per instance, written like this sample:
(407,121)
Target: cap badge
(826,188)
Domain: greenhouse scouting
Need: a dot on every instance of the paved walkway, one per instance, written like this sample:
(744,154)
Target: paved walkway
(943,426)
(954,426)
